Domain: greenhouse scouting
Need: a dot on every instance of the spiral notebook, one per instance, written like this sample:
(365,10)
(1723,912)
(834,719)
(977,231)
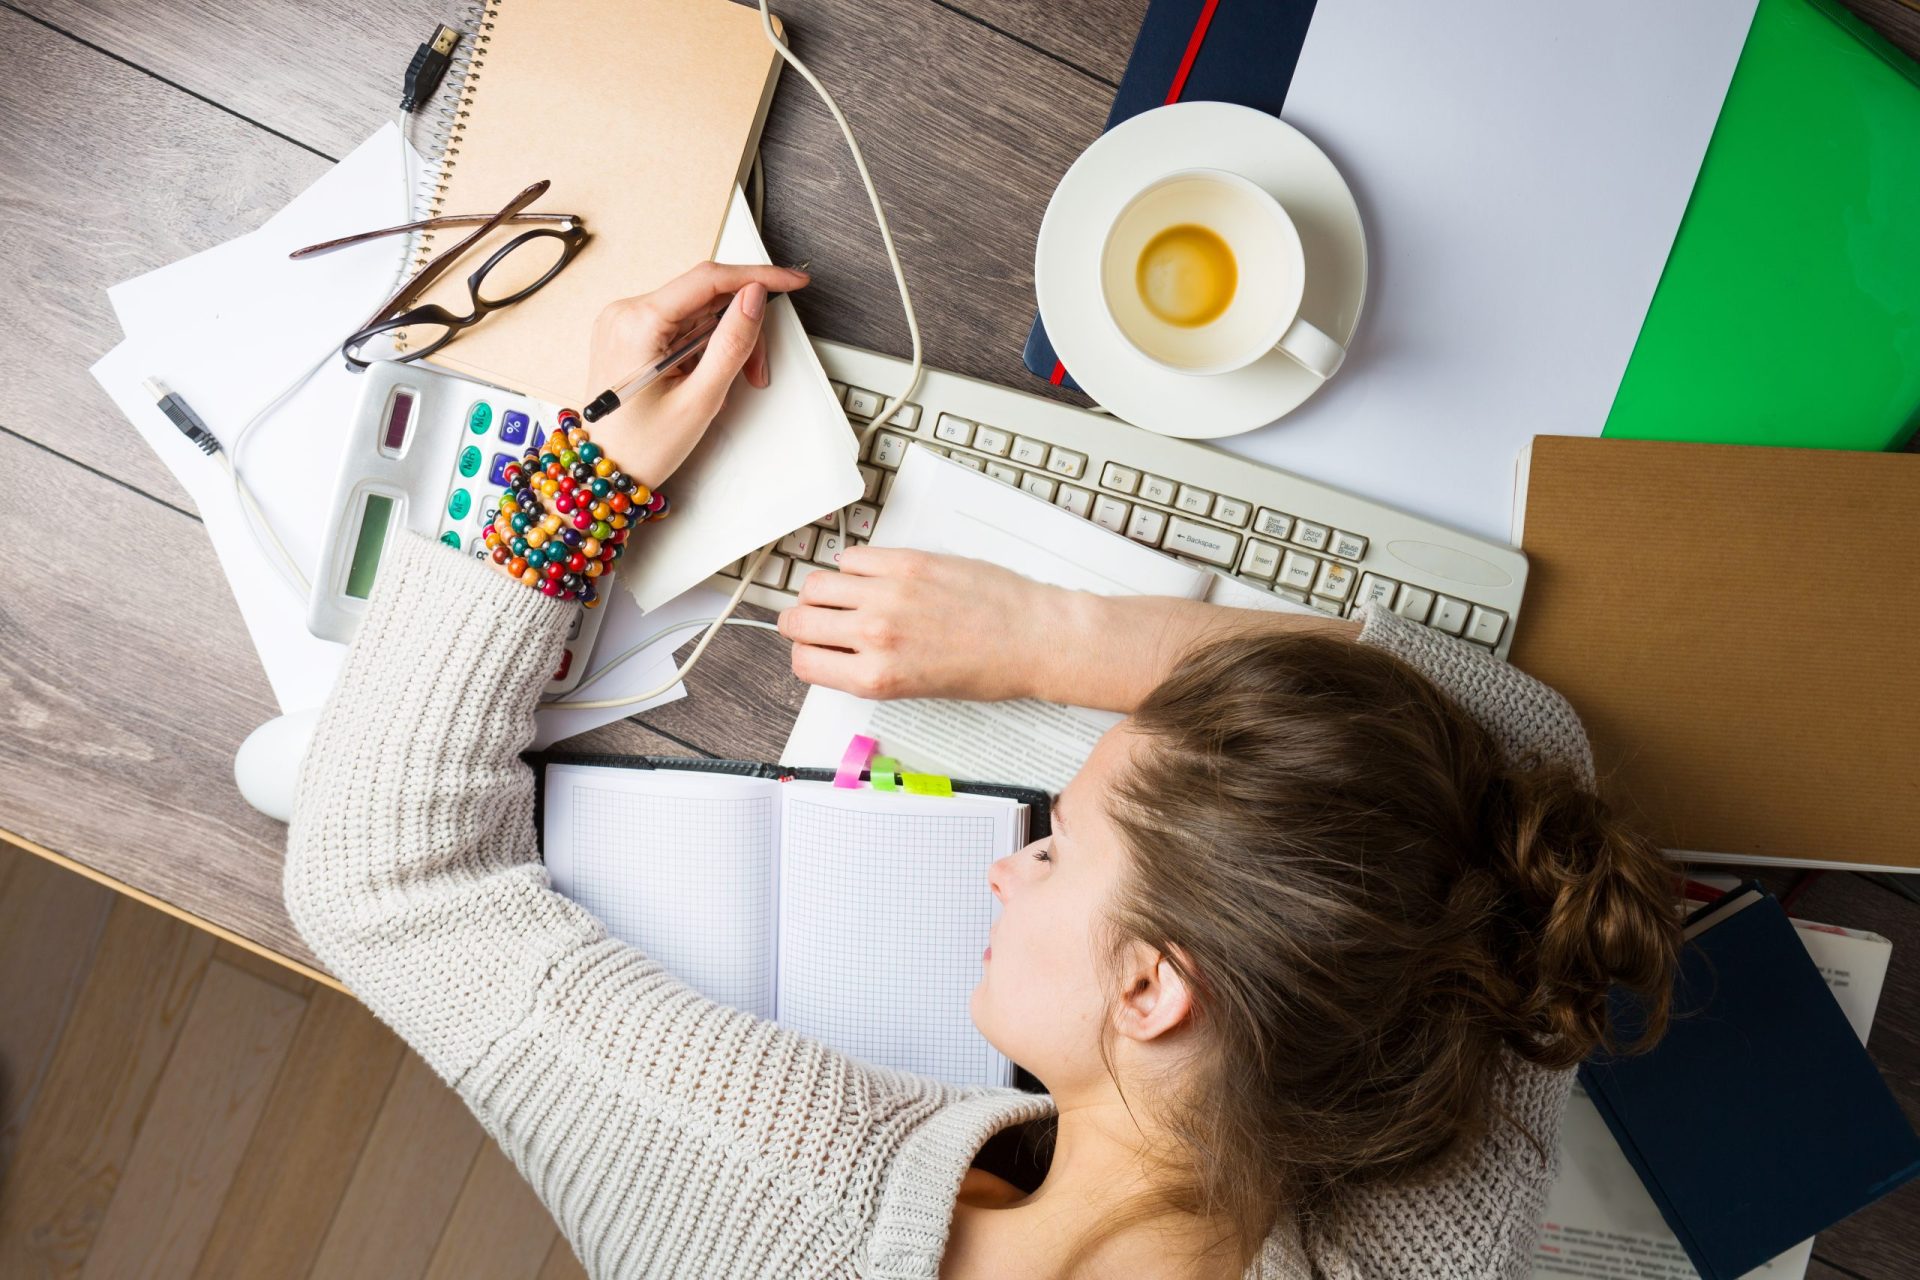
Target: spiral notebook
(644,114)
(854,916)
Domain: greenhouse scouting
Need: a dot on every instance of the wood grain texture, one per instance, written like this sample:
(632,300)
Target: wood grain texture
(499,1230)
(410,1173)
(1897,20)
(112,1053)
(307,1144)
(1094,36)
(561,1264)
(191,1141)
(741,698)
(106,172)
(50,922)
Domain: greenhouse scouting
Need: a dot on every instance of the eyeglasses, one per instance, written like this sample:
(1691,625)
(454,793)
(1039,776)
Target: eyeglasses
(514,271)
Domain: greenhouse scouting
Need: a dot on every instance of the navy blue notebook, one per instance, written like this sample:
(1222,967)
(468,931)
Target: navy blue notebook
(1239,51)
(1759,1119)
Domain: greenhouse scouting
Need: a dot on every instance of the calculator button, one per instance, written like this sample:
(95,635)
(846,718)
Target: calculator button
(1157,489)
(513,427)
(1111,513)
(1312,536)
(579,616)
(498,473)
(452,538)
(566,663)
(1349,546)
(1485,625)
(1194,501)
(480,417)
(953,430)
(478,549)
(1273,524)
(992,440)
(1449,615)
(459,504)
(1230,511)
(470,461)
(1118,478)
(1065,462)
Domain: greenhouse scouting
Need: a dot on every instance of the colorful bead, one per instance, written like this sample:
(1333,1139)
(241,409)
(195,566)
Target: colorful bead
(600,510)
(572,537)
(535,536)
(603,467)
(601,529)
(554,569)
(595,568)
(577,562)
(577,436)
(589,452)
(582,520)
(500,555)
(536,558)
(563,503)
(519,545)
(549,588)
(600,487)
(551,524)
(617,521)
(640,494)
(589,547)
(517,566)
(619,502)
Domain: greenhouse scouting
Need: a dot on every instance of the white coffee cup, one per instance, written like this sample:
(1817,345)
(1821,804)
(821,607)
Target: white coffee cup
(1267,271)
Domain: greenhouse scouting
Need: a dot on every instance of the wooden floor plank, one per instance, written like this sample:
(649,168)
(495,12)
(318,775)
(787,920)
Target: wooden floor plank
(499,1230)
(232,1044)
(404,1186)
(263,968)
(1093,36)
(105,173)
(116,1044)
(50,922)
(741,698)
(561,1264)
(306,1146)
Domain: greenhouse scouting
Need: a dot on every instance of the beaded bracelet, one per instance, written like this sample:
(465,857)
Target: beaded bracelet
(563,550)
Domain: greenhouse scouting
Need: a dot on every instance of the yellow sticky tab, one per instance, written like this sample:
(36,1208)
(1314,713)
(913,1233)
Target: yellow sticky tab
(880,773)
(927,784)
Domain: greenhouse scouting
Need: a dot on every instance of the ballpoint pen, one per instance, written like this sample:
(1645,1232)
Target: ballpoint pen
(688,347)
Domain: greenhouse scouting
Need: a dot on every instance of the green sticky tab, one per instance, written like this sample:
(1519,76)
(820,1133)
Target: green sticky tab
(927,784)
(880,772)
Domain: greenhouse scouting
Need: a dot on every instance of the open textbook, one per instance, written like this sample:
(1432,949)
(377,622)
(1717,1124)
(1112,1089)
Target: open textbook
(855,917)
(1600,1222)
(937,505)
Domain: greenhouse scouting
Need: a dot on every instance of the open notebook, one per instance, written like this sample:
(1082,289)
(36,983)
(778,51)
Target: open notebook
(855,917)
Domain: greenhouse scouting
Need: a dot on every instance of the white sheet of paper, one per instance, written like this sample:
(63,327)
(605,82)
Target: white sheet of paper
(1521,169)
(776,458)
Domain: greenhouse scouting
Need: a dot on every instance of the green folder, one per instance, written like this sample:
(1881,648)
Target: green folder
(1789,309)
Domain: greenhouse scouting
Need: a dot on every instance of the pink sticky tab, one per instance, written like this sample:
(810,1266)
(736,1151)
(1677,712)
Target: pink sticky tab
(860,750)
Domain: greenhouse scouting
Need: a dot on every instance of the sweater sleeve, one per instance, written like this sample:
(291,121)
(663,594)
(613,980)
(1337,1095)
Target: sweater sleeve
(1480,1214)
(668,1134)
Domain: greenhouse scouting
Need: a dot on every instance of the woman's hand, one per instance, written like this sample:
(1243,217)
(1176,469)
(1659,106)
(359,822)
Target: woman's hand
(910,624)
(650,435)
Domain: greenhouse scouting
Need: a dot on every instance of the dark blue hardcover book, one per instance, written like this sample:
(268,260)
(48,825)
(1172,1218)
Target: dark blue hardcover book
(1759,1119)
(1239,51)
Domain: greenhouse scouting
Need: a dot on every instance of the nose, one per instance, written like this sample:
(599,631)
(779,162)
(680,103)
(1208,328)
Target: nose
(996,871)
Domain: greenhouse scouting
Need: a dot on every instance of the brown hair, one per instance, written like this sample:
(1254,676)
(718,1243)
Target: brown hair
(1378,916)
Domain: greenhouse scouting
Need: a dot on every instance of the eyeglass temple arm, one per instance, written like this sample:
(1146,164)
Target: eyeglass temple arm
(450,220)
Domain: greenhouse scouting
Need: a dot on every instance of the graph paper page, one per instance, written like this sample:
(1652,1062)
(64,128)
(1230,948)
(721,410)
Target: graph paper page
(884,911)
(678,864)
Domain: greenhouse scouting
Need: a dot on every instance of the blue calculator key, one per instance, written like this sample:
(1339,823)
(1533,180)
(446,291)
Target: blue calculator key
(513,427)
(501,461)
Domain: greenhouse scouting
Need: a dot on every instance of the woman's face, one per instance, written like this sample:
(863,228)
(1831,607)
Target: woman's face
(1039,1000)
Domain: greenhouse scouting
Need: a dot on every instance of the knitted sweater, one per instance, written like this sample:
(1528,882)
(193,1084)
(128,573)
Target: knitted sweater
(670,1135)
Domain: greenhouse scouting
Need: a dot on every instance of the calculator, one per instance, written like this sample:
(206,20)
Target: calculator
(426,451)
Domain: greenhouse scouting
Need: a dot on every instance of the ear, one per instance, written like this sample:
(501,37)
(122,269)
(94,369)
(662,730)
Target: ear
(1156,1000)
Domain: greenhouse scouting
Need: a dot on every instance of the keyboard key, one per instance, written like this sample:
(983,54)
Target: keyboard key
(1335,581)
(886,486)
(773,571)
(968,460)
(1111,513)
(1202,541)
(1262,560)
(1298,571)
(1230,511)
(1485,625)
(1003,473)
(1312,536)
(992,440)
(827,551)
(1157,489)
(1413,602)
(797,573)
(799,543)
(1075,499)
(831,520)
(733,570)
(1273,524)
(1326,604)
(1038,485)
(1349,546)
(1194,501)
(862,404)
(1375,589)
(1065,462)
(870,482)
(889,450)
(1029,453)
(860,520)
(1118,478)
(1288,593)
(906,417)
(953,430)
(1146,526)
(840,394)
(1449,615)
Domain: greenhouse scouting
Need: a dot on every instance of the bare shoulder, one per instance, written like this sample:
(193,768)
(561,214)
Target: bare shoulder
(981,1240)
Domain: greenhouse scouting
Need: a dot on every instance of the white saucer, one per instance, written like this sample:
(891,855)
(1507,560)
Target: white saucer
(1066,264)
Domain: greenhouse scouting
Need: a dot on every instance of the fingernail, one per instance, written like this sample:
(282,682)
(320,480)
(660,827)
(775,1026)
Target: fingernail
(800,268)
(753,300)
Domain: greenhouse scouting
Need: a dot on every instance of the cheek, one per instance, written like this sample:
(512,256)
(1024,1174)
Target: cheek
(1037,998)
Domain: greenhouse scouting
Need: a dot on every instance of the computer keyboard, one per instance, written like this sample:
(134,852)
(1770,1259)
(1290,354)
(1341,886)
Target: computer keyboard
(1297,538)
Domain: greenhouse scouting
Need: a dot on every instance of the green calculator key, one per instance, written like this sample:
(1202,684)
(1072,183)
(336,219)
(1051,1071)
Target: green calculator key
(459,504)
(451,538)
(470,461)
(480,418)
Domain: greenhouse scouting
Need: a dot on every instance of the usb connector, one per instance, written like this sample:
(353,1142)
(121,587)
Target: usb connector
(429,65)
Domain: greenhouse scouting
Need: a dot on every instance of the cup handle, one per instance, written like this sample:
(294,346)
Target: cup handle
(1312,349)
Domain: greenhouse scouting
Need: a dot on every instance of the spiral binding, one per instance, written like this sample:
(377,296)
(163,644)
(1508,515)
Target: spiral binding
(442,122)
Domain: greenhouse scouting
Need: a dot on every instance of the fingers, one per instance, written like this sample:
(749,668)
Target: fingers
(810,624)
(855,673)
(757,362)
(727,352)
(693,293)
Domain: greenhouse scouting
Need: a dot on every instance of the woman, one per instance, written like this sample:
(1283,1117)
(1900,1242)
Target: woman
(1304,966)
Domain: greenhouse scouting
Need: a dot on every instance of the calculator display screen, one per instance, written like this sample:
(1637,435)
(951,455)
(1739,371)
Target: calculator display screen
(367,545)
(399,416)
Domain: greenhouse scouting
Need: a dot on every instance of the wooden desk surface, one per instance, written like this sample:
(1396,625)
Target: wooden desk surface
(138,132)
